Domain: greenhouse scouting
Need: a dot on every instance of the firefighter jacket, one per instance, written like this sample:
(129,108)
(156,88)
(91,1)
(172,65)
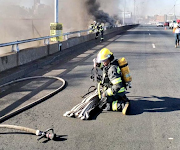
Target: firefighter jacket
(93,27)
(100,28)
(112,79)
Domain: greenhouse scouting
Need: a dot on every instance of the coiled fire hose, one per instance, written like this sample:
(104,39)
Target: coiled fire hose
(29,130)
(83,109)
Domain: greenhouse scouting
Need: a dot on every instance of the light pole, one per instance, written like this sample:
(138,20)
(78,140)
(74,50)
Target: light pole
(134,12)
(124,12)
(56,16)
(174,12)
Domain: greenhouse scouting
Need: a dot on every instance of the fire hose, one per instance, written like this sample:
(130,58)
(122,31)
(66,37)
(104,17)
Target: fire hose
(91,100)
(83,109)
(42,134)
(49,133)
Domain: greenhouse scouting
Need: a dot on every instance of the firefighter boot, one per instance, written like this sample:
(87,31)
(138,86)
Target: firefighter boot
(107,107)
(125,106)
(101,40)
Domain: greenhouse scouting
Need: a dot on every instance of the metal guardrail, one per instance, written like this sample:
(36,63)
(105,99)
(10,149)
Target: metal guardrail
(46,40)
(15,46)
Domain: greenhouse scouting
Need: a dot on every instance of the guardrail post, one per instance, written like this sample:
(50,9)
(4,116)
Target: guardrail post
(15,49)
(66,37)
(79,34)
(46,41)
(59,45)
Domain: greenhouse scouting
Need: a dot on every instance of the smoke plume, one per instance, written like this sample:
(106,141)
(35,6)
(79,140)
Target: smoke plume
(93,8)
(22,19)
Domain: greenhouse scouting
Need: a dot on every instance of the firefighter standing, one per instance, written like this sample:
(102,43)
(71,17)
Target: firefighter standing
(97,30)
(93,26)
(100,30)
(113,98)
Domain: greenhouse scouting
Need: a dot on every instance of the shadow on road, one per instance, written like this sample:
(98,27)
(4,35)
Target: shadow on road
(57,138)
(159,104)
(140,105)
(60,138)
(95,113)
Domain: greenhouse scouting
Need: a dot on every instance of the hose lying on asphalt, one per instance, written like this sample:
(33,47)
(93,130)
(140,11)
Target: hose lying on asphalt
(83,109)
(49,133)
(11,114)
(29,130)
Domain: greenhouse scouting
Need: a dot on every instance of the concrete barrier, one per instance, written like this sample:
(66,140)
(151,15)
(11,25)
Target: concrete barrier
(13,60)
(31,54)
(8,61)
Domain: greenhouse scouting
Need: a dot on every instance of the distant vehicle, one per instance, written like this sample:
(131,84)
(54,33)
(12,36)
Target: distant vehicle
(166,24)
(172,24)
(160,24)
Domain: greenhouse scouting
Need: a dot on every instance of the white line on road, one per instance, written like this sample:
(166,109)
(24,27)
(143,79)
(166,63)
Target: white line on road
(153,45)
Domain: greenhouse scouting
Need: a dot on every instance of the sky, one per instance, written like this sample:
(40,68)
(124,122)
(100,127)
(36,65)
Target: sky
(152,7)
(146,7)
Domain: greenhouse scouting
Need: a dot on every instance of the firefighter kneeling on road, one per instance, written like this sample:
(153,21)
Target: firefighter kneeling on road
(113,98)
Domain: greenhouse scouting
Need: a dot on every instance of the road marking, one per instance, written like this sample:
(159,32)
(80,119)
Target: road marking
(153,45)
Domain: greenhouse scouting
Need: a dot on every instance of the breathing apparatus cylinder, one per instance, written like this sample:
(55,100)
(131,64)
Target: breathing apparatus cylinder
(125,70)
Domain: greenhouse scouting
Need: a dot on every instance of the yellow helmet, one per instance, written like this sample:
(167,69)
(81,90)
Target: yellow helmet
(104,54)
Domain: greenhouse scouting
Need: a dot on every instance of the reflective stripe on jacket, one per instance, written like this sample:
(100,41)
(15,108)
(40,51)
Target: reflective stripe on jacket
(101,28)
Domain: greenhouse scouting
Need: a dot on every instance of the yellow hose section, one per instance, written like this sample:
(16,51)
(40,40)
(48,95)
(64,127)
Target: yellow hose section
(99,92)
(29,130)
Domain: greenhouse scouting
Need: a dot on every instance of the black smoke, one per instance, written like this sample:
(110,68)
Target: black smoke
(99,15)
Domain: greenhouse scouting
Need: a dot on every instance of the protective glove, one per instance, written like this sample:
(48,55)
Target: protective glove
(103,101)
(103,95)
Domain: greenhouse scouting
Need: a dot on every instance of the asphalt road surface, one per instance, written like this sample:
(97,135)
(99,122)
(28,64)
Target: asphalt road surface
(153,120)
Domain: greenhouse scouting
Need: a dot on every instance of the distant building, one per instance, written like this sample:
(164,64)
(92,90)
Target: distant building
(159,18)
